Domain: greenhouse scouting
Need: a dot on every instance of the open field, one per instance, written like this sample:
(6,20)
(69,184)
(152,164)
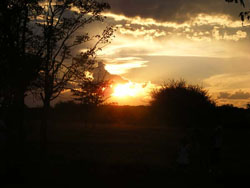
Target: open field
(122,155)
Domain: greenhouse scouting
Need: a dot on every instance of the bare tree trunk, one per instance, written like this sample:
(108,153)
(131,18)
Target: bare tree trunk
(46,107)
(16,132)
(17,114)
(20,119)
(44,126)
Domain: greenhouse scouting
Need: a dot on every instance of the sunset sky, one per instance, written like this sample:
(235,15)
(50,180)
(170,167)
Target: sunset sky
(203,42)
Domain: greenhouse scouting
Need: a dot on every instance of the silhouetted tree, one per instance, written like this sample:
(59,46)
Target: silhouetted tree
(90,84)
(59,26)
(91,88)
(91,92)
(180,103)
(19,62)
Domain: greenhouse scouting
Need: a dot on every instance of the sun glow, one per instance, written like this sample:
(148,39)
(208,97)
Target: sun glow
(128,90)
(131,93)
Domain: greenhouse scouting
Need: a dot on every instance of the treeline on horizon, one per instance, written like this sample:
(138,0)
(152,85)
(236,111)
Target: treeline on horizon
(227,116)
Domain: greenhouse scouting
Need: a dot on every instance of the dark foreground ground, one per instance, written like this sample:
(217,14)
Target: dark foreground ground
(122,156)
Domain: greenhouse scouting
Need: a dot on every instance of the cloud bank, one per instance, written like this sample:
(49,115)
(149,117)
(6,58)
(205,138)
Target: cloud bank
(174,11)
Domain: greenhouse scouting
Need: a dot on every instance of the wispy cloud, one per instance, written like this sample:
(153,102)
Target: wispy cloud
(199,20)
(122,67)
(142,38)
(238,95)
(230,88)
(229,81)
(137,20)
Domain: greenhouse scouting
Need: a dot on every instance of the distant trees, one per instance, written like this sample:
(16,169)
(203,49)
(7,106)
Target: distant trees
(90,85)
(182,103)
(248,106)
(91,92)
(91,89)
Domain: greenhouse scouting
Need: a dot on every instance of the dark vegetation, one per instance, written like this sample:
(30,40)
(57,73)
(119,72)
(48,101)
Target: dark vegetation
(91,143)
(110,144)
(191,101)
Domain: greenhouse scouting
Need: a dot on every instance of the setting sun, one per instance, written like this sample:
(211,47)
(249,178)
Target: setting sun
(132,93)
(127,90)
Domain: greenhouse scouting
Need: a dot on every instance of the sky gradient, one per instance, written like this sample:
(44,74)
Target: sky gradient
(203,42)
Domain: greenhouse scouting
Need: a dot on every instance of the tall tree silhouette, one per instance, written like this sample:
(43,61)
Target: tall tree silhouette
(17,42)
(19,63)
(59,25)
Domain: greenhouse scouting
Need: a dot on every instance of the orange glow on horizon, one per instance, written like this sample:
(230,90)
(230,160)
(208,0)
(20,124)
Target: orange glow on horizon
(129,90)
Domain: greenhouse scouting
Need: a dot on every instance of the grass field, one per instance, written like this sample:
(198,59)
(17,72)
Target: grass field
(123,156)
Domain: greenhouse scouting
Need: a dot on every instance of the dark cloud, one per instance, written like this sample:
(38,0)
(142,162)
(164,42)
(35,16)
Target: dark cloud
(236,95)
(173,10)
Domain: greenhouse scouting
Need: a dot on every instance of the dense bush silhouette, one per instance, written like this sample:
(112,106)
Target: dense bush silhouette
(180,103)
